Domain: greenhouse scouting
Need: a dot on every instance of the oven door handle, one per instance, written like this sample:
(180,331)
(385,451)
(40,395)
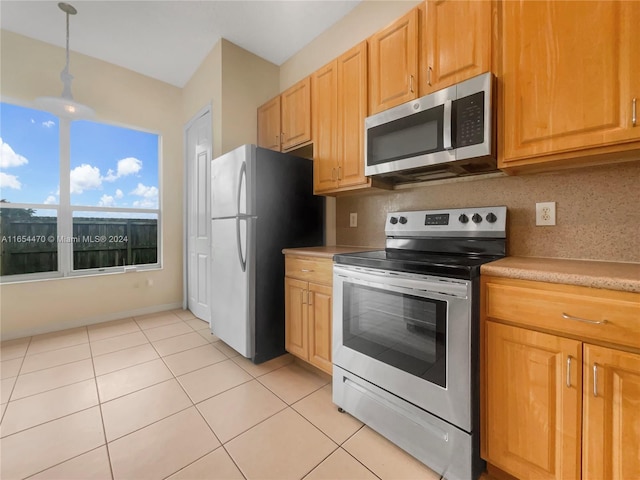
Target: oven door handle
(403,285)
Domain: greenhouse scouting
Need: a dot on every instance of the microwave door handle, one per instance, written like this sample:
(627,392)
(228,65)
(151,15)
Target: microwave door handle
(446,125)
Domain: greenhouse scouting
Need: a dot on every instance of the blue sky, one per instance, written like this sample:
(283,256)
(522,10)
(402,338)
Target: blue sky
(110,166)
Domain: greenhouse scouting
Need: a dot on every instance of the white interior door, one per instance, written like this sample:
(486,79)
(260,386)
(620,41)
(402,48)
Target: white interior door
(198,139)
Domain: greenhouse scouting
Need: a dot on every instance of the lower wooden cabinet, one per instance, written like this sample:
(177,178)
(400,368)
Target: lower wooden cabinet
(308,310)
(555,407)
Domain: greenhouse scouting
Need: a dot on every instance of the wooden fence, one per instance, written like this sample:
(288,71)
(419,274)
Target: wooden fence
(30,245)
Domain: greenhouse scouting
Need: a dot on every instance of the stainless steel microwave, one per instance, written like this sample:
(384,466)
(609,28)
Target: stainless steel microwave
(448,133)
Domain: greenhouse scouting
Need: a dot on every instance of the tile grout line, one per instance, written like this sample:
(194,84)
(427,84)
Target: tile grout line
(16,382)
(355,458)
(67,460)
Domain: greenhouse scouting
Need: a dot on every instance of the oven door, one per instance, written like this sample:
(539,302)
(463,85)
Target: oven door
(408,334)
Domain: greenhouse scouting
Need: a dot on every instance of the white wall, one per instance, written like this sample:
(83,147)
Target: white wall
(31,69)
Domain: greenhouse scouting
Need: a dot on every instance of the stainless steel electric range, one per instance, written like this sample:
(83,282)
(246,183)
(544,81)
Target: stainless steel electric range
(406,333)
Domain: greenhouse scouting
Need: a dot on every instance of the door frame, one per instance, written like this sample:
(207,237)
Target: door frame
(185,198)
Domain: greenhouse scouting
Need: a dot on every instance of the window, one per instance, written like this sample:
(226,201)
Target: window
(76,197)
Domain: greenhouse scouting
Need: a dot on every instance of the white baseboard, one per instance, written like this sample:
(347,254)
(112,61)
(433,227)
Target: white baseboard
(83,322)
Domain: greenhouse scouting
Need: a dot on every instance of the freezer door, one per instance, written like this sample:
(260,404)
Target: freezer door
(231,180)
(233,281)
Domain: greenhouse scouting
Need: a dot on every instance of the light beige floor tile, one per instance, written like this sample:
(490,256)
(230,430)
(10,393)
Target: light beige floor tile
(263,368)
(291,382)
(236,410)
(10,368)
(113,344)
(6,386)
(93,465)
(197,324)
(57,340)
(124,358)
(384,458)
(44,446)
(11,349)
(207,335)
(44,407)
(212,380)
(139,409)
(100,331)
(154,320)
(50,378)
(183,314)
(190,360)
(283,446)
(167,331)
(215,466)
(177,344)
(320,410)
(54,358)
(3,407)
(340,466)
(128,380)
(226,349)
(162,448)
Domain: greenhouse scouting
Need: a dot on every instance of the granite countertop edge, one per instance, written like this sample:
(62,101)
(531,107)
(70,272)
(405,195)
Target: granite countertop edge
(326,251)
(586,273)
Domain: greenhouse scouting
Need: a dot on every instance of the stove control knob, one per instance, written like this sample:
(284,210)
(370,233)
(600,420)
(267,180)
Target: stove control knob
(403,220)
(463,218)
(393,220)
(476,218)
(491,218)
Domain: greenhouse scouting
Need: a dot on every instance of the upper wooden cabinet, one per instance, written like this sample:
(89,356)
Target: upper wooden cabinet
(393,64)
(296,114)
(571,75)
(269,125)
(456,42)
(339,106)
(284,123)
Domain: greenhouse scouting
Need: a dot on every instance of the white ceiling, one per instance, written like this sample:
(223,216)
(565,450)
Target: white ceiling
(168,40)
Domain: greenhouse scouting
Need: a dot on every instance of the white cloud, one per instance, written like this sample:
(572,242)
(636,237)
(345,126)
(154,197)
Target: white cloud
(33,121)
(146,203)
(106,201)
(51,200)
(149,196)
(48,123)
(126,166)
(85,177)
(9,158)
(9,181)
(119,193)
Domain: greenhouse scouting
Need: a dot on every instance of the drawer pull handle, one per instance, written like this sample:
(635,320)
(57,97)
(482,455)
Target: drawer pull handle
(584,320)
(569,371)
(595,380)
(306,270)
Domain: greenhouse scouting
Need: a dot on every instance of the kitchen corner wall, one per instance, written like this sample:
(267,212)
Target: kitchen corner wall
(30,69)
(597,214)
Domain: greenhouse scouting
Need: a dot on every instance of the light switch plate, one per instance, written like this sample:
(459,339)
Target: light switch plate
(353,219)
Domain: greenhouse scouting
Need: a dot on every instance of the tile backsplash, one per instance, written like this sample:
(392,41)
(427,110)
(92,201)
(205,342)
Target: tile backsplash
(597,211)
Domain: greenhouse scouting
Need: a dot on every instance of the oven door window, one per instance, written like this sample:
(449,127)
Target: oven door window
(405,331)
(410,136)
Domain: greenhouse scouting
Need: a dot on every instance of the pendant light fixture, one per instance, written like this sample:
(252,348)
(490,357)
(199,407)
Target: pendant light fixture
(64,105)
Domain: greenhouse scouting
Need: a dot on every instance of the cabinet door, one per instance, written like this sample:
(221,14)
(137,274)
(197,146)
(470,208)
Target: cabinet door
(611,430)
(352,110)
(296,114)
(269,124)
(393,64)
(458,42)
(533,400)
(324,87)
(571,70)
(320,333)
(295,332)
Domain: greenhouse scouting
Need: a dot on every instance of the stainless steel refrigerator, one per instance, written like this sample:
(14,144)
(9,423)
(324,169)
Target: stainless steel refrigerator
(261,202)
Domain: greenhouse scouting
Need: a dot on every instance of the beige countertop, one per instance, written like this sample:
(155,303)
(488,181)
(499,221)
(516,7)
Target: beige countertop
(608,275)
(325,252)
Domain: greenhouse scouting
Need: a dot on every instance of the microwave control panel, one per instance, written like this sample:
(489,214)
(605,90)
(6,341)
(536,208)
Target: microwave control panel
(469,123)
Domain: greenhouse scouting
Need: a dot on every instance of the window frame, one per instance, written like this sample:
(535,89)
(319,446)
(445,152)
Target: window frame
(65,210)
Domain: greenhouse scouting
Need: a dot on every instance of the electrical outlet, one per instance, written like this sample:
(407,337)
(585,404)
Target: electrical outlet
(353,219)
(546,213)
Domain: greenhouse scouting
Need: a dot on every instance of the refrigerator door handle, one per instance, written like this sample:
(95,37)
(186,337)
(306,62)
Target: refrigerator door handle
(241,180)
(241,256)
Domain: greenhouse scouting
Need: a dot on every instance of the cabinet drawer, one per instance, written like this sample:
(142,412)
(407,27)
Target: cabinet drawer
(565,309)
(315,270)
